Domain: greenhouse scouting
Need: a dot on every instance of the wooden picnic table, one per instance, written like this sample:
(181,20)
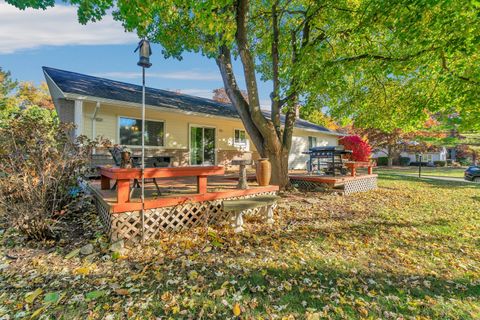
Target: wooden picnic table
(353,165)
(123,176)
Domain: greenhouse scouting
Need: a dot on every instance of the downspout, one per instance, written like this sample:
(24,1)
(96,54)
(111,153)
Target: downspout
(94,123)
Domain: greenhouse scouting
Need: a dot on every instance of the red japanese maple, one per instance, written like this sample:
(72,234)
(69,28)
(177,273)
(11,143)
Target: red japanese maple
(360,148)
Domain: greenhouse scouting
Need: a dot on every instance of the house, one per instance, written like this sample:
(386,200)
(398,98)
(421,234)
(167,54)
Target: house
(430,155)
(190,130)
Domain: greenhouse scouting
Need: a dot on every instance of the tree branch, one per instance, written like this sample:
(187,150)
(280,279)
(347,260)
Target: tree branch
(264,125)
(224,62)
(382,57)
(275,112)
(446,68)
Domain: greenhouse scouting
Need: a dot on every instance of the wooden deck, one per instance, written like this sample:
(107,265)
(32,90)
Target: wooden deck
(181,205)
(175,191)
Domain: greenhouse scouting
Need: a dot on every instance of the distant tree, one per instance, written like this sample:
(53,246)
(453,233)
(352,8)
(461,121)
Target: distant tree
(318,117)
(389,143)
(220,95)
(7,87)
(24,98)
(28,95)
(469,147)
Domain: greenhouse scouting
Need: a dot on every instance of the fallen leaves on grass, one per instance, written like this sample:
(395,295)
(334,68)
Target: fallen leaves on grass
(408,250)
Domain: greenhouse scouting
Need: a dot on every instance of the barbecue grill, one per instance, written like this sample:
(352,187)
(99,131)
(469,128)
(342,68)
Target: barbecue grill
(327,158)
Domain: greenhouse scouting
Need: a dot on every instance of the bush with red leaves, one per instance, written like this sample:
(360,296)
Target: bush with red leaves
(361,149)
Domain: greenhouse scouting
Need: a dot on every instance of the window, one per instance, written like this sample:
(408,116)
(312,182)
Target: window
(240,137)
(425,157)
(312,142)
(131,132)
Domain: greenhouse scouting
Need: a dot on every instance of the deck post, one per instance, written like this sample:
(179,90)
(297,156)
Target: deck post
(123,190)
(202,184)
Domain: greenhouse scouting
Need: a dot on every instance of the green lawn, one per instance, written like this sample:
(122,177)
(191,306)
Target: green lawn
(407,251)
(426,171)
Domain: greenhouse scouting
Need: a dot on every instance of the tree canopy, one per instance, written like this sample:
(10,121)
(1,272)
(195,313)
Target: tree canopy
(384,64)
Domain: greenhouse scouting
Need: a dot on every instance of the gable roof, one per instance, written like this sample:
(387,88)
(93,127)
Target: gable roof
(84,85)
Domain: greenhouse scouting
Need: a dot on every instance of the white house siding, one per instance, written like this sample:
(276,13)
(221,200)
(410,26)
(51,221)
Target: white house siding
(298,160)
(427,156)
(177,133)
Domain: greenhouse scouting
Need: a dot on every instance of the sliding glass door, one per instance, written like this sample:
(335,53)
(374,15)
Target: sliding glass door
(202,146)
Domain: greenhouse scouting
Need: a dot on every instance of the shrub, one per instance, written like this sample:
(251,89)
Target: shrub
(440,163)
(417,163)
(382,161)
(404,161)
(360,148)
(40,166)
(463,161)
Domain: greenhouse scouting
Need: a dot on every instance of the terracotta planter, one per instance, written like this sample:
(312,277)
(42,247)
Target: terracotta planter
(264,171)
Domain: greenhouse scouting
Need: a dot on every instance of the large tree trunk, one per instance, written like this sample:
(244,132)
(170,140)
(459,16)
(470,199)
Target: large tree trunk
(266,134)
(279,163)
(261,131)
(390,155)
(390,161)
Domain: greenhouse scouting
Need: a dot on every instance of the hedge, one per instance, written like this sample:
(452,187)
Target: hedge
(382,161)
(440,163)
(404,161)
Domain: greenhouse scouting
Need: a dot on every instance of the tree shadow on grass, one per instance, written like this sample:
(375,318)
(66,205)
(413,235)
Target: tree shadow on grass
(318,284)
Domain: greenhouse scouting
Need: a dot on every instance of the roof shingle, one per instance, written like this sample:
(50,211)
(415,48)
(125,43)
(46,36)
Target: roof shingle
(81,84)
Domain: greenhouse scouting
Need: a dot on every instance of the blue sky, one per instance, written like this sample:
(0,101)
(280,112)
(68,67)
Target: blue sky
(34,38)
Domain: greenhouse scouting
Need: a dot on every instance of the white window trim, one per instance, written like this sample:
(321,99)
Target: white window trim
(308,141)
(240,144)
(146,119)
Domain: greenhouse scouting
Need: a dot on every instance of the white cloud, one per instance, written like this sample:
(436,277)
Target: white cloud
(175,75)
(57,26)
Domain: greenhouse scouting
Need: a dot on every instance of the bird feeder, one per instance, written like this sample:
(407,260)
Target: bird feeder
(144,52)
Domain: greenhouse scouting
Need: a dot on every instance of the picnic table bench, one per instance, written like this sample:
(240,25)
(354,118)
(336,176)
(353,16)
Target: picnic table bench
(353,165)
(123,176)
(240,206)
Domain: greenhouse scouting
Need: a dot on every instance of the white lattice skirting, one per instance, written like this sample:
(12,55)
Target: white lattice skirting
(128,225)
(359,184)
(309,185)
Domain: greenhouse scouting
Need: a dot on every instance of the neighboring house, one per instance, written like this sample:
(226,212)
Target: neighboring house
(435,154)
(429,156)
(191,130)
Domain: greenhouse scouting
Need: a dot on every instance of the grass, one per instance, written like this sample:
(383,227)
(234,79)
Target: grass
(426,171)
(409,250)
